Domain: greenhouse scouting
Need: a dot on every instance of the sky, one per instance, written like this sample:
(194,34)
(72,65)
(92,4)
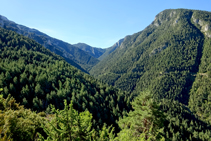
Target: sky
(98,23)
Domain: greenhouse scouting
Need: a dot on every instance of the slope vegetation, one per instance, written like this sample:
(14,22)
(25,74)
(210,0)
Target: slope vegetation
(168,62)
(164,57)
(200,94)
(73,55)
(36,78)
(171,57)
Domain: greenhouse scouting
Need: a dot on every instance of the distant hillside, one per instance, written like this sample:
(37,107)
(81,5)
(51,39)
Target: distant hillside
(111,49)
(99,52)
(171,57)
(93,51)
(73,55)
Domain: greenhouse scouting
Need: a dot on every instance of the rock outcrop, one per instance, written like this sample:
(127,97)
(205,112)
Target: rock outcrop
(205,27)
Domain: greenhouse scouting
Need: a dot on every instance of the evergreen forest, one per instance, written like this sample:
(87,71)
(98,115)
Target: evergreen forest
(155,85)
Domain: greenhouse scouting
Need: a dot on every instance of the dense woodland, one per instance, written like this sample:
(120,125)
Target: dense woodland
(161,87)
(162,58)
(171,57)
(37,78)
(72,54)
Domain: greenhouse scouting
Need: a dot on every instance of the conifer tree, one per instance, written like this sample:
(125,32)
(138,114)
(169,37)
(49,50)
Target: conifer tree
(146,119)
(69,125)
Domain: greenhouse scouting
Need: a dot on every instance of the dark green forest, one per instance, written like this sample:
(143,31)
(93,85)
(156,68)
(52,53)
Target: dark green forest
(160,77)
(163,59)
(171,57)
(36,78)
(72,54)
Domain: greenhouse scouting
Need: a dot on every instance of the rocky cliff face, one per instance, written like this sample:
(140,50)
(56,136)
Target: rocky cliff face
(162,17)
(204,26)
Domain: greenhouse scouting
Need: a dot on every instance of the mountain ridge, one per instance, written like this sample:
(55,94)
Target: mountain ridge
(97,52)
(93,51)
(109,50)
(73,55)
(164,57)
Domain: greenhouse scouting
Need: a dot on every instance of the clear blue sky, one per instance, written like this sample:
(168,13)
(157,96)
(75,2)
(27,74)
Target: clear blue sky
(99,23)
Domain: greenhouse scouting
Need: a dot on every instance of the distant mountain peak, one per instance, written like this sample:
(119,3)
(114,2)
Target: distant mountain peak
(163,16)
(93,51)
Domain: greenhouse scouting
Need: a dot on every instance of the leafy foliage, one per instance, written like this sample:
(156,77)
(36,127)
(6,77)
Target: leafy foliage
(17,123)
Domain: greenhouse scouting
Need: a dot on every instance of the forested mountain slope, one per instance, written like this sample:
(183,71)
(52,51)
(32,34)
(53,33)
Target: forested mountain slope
(166,67)
(171,57)
(36,78)
(200,94)
(164,57)
(73,55)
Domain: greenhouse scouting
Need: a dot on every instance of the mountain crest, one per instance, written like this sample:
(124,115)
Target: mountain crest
(163,16)
(73,55)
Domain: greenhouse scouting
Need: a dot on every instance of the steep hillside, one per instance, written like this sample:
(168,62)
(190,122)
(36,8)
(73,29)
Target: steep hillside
(73,55)
(164,57)
(111,49)
(200,94)
(36,78)
(93,51)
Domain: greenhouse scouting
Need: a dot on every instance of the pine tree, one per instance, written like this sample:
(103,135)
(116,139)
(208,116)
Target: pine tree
(146,119)
(69,125)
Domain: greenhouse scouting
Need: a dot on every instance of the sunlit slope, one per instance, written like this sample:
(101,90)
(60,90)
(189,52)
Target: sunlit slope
(164,57)
(36,78)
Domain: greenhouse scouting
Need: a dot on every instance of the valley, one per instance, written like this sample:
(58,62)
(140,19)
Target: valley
(154,84)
